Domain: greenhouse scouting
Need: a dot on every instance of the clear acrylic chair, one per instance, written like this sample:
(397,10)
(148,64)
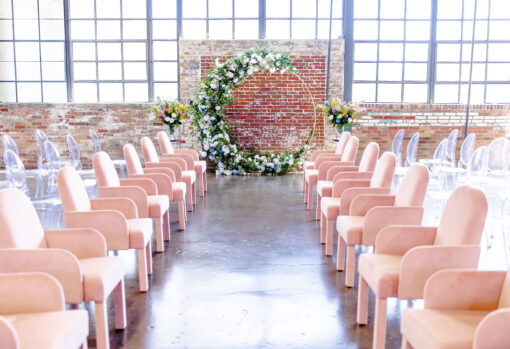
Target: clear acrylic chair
(49,209)
(96,147)
(8,144)
(412,147)
(396,146)
(452,147)
(466,149)
(440,185)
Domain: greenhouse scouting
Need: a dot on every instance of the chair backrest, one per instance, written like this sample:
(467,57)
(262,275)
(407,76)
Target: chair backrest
(504,298)
(440,152)
(384,170)
(16,171)
(41,139)
(498,157)
(105,171)
(133,163)
(369,158)
(412,147)
(463,218)
(96,144)
(344,138)
(149,151)
(72,191)
(52,154)
(164,143)
(19,223)
(9,144)
(396,146)
(74,152)
(412,189)
(452,146)
(466,149)
(478,162)
(351,149)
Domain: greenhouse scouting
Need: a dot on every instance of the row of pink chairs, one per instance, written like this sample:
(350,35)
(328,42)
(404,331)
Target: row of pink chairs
(72,265)
(410,261)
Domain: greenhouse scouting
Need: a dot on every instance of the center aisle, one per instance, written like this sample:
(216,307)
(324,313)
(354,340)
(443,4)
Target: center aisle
(248,272)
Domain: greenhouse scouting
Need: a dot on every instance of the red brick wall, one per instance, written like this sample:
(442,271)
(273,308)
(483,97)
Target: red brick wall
(275,112)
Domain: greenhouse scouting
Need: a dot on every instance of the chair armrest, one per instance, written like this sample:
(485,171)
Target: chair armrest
(174,167)
(318,153)
(163,181)
(175,159)
(324,168)
(362,203)
(398,239)
(349,194)
(8,335)
(124,205)
(83,243)
(381,216)
(146,184)
(111,224)
(480,290)
(188,158)
(419,263)
(492,331)
(61,264)
(333,171)
(340,186)
(164,170)
(30,292)
(352,175)
(192,152)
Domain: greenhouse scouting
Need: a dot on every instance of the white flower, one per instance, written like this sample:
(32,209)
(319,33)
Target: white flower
(277,64)
(206,146)
(217,108)
(230,75)
(171,120)
(272,70)
(167,119)
(350,120)
(207,117)
(253,61)
(203,154)
(330,117)
(174,115)
(214,85)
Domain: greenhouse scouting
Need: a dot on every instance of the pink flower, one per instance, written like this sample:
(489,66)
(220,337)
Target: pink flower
(180,113)
(162,113)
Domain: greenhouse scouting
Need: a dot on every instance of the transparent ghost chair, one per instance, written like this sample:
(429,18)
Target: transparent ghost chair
(96,147)
(396,146)
(466,149)
(452,147)
(49,209)
(74,152)
(412,148)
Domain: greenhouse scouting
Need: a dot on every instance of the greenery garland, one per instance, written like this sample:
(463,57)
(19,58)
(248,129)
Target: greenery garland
(215,92)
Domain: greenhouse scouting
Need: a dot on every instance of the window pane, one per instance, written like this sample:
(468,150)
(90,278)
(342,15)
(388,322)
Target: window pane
(500,9)
(478,72)
(85,92)
(417,30)
(477,91)
(392,8)
(107,30)
(6,51)
(5,11)
(135,51)
(165,50)
(415,93)
(82,8)
(50,8)
(391,52)
(84,71)
(134,29)
(5,30)
(365,8)
(193,29)
(53,71)
(247,30)
(446,93)
(52,29)
(165,71)
(135,71)
(279,9)
(449,9)
(52,51)
(390,71)
(55,92)
(220,8)
(136,92)
(134,8)
(448,52)
(365,30)
(6,72)
(26,29)
(25,9)
(220,30)
(110,92)
(418,9)
(108,51)
(499,52)
(84,51)
(498,71)
(323,29)
(303,8)
(448,30)
(108,9)
(164,9)
(363,92)
(246,8)
(277,29)
(417,52)
(498,93)
(480,30)
(82,30)
(194,8)
(447,72)
(389,93)
(324,7)
(415,72)
(165,91)
(479,54)
(365,52)
(303,29)
(7,92)
(110,71)
(391,30)
(164,29)
(29,92)
(27,51)
(365,71)
(28,71)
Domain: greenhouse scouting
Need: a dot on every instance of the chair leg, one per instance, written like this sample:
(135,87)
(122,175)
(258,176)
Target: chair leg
(160,247)
(148,254)
(142,270)
(305,190)
(324,224)
(310,196)
(362,301)
(318,207)
(166,225)
(350,267)
(379,340)
(102,335)
(194,193)
(182,215)
(304,182)
(119,295)
(329,237)
(201,182)
(205,180)
(189,197)
(340,253)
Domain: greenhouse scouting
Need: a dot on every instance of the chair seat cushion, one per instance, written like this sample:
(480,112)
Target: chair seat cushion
(381,272)
(307,165)
(178,191)
(51,330)
(440,329)
(350,228)
(325,188)
(100,276)
(330,207)
(158,205)
(200,166)
(140,231)
(189,177)
(312,175)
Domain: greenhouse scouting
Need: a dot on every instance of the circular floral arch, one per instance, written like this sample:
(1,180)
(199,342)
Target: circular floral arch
(216,92)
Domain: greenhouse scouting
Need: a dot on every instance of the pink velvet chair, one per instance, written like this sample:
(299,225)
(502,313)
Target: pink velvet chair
(312,175)
(463,309)
(164,179)
(115,218)
(177,165)
(407,255)
(349,185)
(143,191)
(364,171)
(33,316)
(200,166)
(75,257)
(370,212)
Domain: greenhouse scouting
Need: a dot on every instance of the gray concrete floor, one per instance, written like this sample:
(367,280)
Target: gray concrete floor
(248,272)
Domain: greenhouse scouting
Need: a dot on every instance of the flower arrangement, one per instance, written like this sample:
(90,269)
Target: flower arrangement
(340,113)
(215,92)
(171,113)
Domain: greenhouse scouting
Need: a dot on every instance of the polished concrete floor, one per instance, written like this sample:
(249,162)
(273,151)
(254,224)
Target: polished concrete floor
(248,272)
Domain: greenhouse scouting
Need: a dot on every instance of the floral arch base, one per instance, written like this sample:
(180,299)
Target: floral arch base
(216,92)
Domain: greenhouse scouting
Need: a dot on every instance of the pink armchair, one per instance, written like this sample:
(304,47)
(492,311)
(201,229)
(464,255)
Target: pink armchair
(164,179)
(143,191)
(365,170)
(75,257)
(177,165)
(200,166)
(370,212)
(33,316)
(407,255)
(312,175)
(349,185)
(115,218)
(477,317)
